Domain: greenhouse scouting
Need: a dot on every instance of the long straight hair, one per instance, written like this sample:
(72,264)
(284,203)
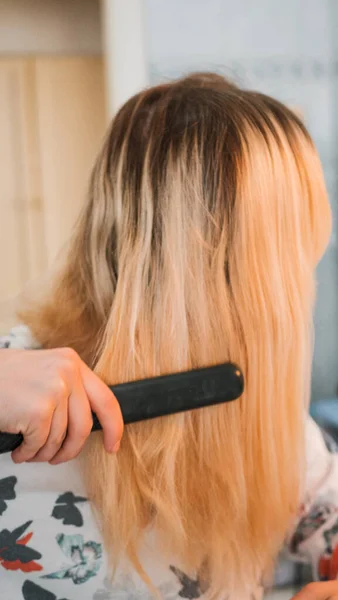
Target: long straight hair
(206,216)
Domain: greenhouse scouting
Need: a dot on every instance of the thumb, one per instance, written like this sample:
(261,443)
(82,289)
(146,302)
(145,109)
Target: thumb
(33,441)
(106,407)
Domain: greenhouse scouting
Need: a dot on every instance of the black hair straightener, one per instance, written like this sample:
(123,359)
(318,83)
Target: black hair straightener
(165,395)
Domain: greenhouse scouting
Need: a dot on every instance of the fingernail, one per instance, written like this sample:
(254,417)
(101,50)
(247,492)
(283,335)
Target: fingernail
(116,447)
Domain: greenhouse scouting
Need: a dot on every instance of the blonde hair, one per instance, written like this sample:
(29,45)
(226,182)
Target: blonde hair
(207,213)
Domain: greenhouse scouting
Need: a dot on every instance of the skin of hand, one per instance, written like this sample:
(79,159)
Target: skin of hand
(327,590)
(48,396)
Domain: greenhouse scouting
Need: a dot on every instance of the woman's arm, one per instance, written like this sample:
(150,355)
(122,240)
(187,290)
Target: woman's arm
(319,591)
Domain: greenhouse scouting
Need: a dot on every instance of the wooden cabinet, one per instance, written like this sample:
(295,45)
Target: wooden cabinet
(52,118)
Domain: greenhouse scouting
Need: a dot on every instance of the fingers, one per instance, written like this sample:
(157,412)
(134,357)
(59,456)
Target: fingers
(35,437)
(80,424)
(106,407)
(57,434)
(327,590)
(51,403)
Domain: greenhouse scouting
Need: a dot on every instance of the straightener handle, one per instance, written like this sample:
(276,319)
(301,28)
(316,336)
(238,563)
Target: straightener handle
(165,395)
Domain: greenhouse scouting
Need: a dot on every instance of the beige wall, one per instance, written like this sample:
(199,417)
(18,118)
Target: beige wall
(52,120)
(125,48)
(55,97)
(50,27)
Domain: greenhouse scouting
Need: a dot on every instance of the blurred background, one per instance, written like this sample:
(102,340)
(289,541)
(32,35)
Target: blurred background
(67,65)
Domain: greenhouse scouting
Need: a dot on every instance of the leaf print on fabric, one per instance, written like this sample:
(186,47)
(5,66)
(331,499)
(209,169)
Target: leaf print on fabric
(328,561)
(66,510)
(331,536)
(15,555)
(20,337)
(317,517)
(31,591)
(86,558)
(330,442)
(192,588)
(126,589)
(328,566)
(7,491)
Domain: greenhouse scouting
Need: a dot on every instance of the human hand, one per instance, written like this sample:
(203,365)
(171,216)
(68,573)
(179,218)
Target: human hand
(48,396)
(327,590)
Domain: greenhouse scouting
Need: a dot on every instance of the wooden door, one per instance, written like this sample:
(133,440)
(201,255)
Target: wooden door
(52,118)
(16,120)
(71,121)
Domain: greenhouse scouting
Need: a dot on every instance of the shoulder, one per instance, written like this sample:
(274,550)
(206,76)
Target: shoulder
(318,456)
(20,337)
(321,466)
(315,537)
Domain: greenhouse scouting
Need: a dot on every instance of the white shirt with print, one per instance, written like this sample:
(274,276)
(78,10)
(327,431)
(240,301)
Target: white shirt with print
(51,548)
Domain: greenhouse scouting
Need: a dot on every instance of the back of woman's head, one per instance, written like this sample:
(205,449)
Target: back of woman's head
(207,214)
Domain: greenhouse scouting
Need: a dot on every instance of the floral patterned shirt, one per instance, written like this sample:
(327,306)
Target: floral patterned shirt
(51,549)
